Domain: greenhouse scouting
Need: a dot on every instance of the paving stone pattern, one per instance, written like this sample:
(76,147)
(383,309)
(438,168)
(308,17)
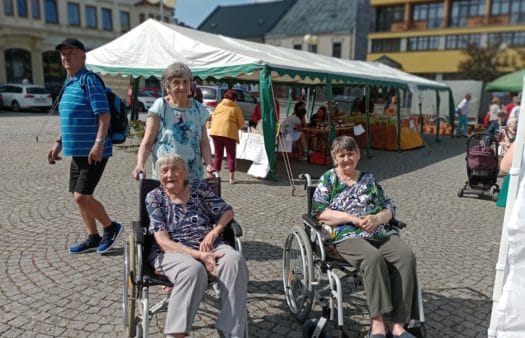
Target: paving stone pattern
(46,292)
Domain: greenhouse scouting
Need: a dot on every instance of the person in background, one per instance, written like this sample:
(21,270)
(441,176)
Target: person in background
(176,124)
(495,126)
(507,135)
(257,115)
(515,112)
(320,118)
(293,125)
(462,114)
(226,121)
(196,92)
(84,123)
(491,115)
(509,106)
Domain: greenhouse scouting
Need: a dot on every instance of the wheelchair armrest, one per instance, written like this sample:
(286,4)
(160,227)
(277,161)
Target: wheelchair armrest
(311,221)
(138,232)
(236,228)
(397,224)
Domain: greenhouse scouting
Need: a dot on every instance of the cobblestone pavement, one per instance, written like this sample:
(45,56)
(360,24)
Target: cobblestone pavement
(44,291)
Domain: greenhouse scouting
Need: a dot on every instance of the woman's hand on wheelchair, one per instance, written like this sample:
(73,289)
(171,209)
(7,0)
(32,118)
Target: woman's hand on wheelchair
(136,173)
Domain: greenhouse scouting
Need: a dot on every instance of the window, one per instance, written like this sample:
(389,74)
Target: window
(73,14)
(336,49)
(463,9)
(142,17)
(91,17)
(21,6)
(124,21)
(297,46)
(51,11)
(517,14)
(54,73)
(386,16)
(386,45)
(35,9)
(8,8)
(423,43)
(511,39)
(461,41)
(432,13)
(501,7)
(17,64)
(107,20)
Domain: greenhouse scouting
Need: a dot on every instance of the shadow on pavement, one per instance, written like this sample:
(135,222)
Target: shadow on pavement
(384,164)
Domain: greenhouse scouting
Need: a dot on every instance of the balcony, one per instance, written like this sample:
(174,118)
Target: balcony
(499,20)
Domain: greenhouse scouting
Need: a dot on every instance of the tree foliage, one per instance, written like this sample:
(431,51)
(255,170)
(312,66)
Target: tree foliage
(483,63)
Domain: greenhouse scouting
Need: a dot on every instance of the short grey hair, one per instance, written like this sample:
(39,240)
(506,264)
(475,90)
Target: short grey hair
(342,143)
(170,159)
(511,121)
(176,70)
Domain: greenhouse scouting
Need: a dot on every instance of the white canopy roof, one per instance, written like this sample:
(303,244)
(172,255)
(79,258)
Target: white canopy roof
(149,48)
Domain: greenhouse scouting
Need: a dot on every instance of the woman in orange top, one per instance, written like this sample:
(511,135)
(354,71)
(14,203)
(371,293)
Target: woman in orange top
(226,121)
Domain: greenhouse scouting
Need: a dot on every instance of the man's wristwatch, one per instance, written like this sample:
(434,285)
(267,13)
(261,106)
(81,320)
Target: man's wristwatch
(99,141)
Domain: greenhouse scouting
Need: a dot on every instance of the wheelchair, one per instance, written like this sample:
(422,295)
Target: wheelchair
(313,272)
(139,275)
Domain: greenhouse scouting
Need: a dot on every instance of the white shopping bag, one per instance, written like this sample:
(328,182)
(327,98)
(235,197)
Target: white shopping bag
(358,130)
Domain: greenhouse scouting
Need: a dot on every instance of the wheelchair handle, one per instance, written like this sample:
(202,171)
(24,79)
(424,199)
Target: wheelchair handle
(307,178)
(142,175)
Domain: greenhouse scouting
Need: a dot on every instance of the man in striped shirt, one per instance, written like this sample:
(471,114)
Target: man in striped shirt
(84,123)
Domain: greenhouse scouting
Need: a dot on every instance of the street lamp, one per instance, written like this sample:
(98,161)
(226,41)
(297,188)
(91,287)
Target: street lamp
(311,42)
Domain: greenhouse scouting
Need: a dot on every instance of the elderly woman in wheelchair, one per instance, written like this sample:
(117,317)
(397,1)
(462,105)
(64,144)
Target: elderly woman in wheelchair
(355,214)
(187,220)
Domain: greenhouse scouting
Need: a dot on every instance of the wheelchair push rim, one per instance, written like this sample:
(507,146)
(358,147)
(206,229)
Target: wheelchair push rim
(297,273)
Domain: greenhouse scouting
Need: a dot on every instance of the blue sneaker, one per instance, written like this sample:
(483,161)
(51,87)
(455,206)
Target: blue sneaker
(110,237)
(90,244)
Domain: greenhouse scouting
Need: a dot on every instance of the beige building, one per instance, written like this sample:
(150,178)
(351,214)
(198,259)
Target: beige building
(29,30)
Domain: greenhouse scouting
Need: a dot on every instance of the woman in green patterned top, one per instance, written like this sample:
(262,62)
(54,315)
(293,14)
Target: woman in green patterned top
(355,212)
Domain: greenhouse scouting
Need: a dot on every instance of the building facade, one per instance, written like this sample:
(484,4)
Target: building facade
(30,29)
(336,28)
(427,37)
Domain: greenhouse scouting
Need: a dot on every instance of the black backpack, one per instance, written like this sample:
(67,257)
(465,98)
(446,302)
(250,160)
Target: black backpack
(118,128)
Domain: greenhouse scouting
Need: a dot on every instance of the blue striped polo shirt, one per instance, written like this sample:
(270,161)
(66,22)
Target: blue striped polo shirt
(79,110)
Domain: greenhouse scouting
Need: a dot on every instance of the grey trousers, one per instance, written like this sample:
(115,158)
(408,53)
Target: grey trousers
(190,281)
(389,275)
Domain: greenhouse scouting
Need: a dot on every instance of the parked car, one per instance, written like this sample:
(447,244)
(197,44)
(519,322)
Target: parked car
(145,100)
(29,96)
(212,95)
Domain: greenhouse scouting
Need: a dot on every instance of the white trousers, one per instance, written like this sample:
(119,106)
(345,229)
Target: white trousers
(190,281)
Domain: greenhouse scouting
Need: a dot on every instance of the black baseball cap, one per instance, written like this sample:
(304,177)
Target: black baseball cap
(71,43)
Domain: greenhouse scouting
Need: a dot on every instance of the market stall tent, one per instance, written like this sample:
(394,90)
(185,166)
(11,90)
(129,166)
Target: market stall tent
(149,48)
(507,83)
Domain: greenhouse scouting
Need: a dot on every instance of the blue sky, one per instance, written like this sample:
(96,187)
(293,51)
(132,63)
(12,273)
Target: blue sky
(193,12)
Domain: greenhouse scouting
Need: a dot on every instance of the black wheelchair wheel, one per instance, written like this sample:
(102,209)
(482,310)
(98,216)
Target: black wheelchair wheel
(297,273)
(129,286)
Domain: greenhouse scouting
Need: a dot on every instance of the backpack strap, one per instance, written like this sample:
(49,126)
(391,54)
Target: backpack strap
(83,80)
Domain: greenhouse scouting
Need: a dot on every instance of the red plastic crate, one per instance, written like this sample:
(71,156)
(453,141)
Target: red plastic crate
(320,158)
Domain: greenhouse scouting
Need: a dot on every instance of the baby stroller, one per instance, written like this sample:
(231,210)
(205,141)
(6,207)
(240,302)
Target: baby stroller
(482,166)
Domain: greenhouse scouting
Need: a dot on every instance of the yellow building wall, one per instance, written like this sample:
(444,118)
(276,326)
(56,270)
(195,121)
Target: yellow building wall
(440,61)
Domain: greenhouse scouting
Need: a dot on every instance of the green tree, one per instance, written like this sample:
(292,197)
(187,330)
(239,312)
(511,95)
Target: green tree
(483,63)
